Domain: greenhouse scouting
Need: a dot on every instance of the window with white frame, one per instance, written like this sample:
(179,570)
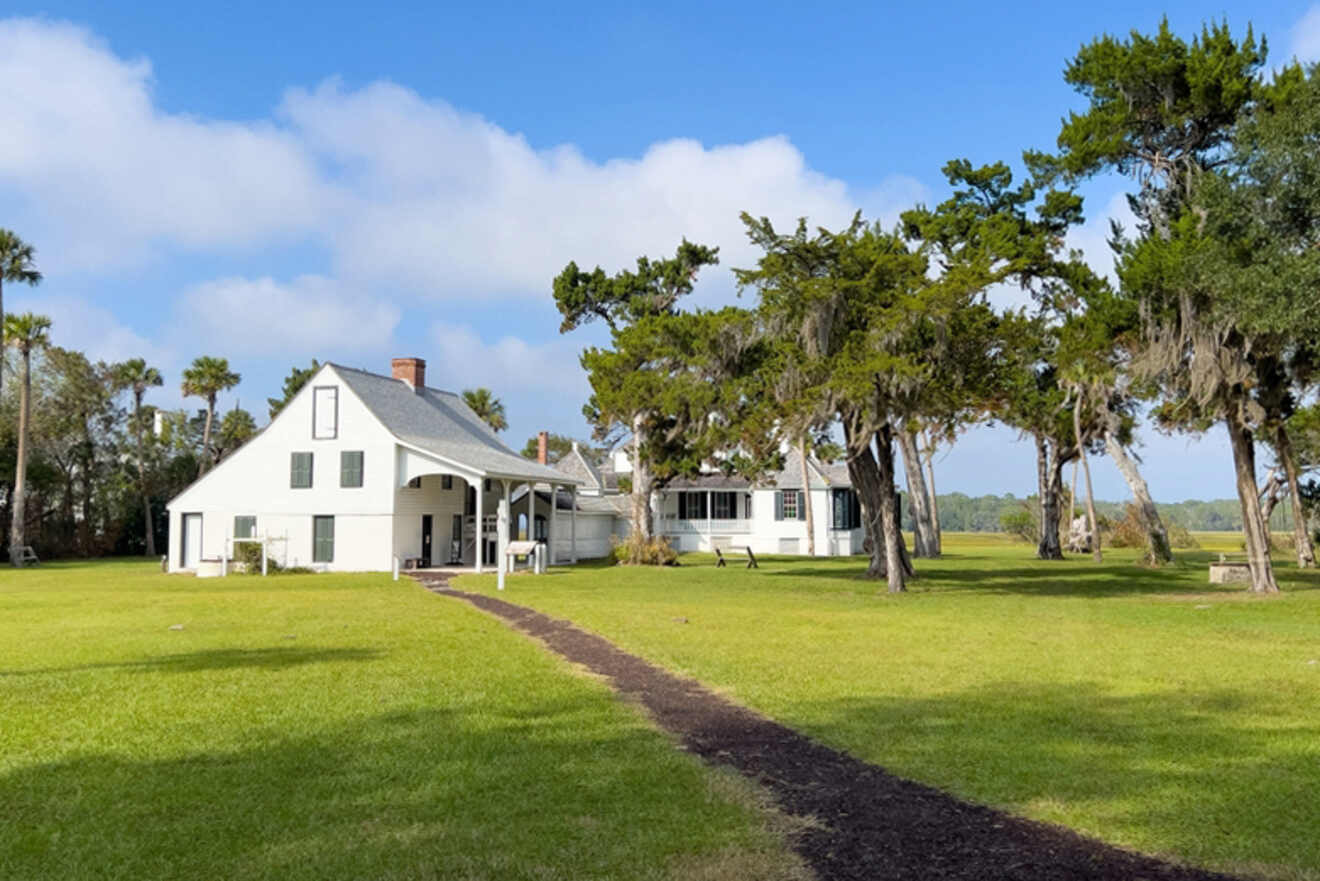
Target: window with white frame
(245,526)
(789,504)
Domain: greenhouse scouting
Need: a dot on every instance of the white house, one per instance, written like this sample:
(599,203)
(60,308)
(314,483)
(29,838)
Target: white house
(361,470)
(717,511)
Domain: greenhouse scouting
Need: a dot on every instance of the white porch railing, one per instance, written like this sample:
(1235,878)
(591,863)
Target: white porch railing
(675,526)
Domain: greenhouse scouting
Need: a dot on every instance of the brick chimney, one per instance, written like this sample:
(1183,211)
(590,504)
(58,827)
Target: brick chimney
(542,447)
(411,371)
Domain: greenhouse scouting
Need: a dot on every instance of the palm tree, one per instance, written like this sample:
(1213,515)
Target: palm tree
(136,375)
(206,378)
(16,266)
(24,332)
(487,407)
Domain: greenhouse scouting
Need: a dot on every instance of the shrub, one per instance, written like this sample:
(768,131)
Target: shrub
(249,555)
(1129,532)
(634,551)
(1019,523)
(1180,539)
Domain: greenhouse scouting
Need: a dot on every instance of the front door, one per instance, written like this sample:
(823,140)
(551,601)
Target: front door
(192,540)
(426,541)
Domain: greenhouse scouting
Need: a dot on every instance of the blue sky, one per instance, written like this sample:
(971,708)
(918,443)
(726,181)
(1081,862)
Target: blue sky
(277,182)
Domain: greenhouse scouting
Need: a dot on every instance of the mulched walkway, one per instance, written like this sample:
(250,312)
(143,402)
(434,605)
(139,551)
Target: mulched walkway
(867,823)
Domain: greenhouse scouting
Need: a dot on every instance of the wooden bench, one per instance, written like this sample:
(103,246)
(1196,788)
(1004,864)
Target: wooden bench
(751,558)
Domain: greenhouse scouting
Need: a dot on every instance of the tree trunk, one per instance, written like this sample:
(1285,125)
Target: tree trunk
(930,487)
(1158,550)
(924,542)
(1301,537)
(806,498)
(1086,470)
(865,476)
(889,511)
(643,523)
(142,474)
(2,328)
(1049,476)
(1253,523)
(17,532)
(206,437)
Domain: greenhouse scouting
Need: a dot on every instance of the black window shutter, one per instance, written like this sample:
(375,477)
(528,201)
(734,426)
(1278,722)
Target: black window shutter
(802,505)
(779,504)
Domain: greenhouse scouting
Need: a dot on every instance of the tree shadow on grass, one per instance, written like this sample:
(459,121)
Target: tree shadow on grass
(1071,577)
(273,658)
(558,789)
(1219,778)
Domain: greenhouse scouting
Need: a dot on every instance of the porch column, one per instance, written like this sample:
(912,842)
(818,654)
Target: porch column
(481,538)
(531,510)
(572,525)
(710,514)
(550,525)
(502,534)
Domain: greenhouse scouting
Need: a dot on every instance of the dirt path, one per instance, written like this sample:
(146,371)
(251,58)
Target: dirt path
(869,824)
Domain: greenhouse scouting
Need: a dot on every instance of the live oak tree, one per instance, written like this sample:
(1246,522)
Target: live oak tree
(1163,110)
(633,380)
(205,378)
(17,264)
(991,232)
(26,333)
(1262,216)
(489,409)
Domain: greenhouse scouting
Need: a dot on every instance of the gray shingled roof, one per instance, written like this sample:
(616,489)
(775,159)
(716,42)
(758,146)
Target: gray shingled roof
(822,475)
(442,423)
(709,481)
(575,464)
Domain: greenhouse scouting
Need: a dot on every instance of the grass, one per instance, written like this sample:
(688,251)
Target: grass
(328,727)
(1144,707)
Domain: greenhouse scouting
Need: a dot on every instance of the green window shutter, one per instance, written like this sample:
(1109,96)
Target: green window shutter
(300,470)
(779,504)
(801,505)
(245,527)
(323,539)
(350,468)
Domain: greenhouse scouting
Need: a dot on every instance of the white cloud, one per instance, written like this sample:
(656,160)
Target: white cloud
(309,316)
(1304,38)
(102,177)
(450,204)
(77,323)
(396,188)
(541,384)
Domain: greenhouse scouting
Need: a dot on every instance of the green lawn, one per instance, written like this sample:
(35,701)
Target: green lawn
(328,727)
(1135,705)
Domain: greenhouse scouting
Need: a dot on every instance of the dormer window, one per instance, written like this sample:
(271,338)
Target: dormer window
(325,412)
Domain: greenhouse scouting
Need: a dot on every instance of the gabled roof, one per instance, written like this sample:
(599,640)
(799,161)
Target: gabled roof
(819,474)
(575,464)
(442,423)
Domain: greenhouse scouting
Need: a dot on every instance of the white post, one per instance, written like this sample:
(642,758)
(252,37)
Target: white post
(572,525)
(480,542)
(550,525)
(396,568)
(265,542)
(710,512)
(225,552)
(531,510)
(502,534)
